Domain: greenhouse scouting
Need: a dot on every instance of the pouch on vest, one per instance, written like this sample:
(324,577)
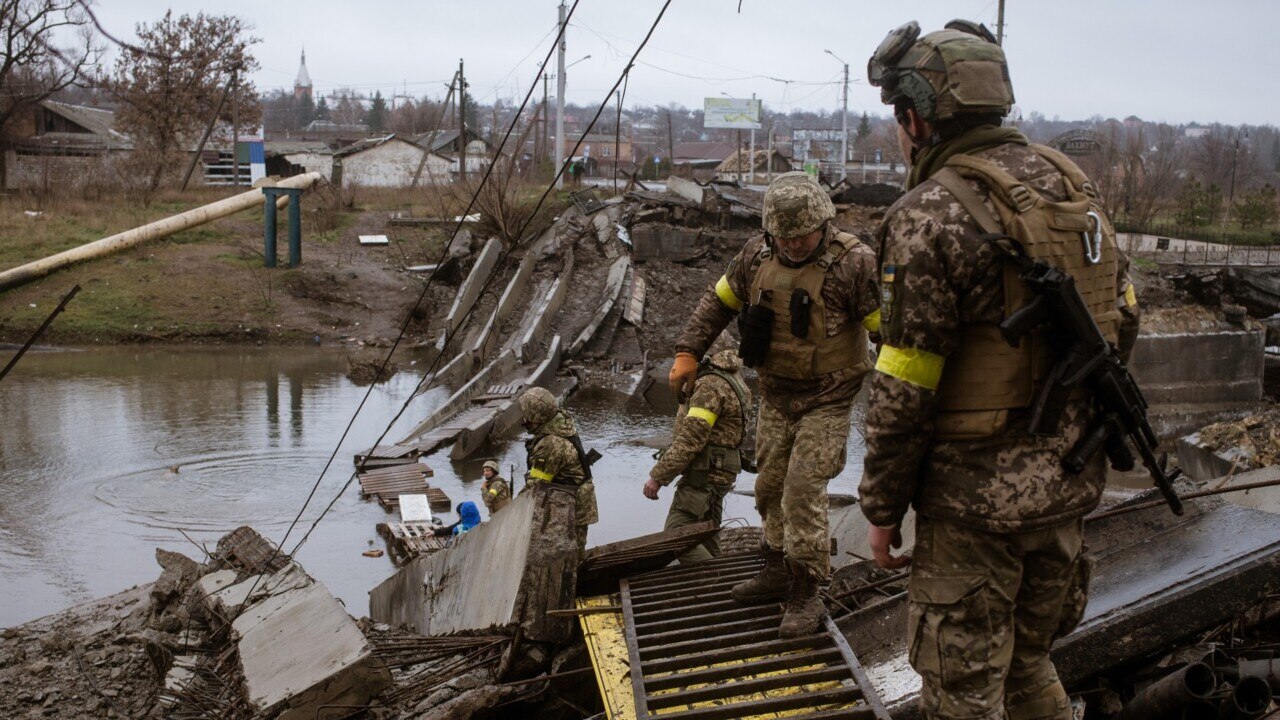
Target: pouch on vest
(986,377)
(800,305)
(755,325)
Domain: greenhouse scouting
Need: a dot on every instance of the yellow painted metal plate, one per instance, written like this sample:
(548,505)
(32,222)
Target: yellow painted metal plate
(607,645)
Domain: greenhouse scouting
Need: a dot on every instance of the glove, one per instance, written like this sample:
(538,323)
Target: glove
(684,372)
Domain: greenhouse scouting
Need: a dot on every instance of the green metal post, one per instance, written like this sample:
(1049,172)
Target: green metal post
(269,228)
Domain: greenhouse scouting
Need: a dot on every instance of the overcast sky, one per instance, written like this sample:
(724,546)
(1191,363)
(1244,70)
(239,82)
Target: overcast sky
(1162,60)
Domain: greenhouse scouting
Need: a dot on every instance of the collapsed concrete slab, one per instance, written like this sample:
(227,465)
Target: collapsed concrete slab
(300,650)
(297,648)
(505,573)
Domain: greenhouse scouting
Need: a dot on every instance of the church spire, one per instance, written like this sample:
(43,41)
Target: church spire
(302,86)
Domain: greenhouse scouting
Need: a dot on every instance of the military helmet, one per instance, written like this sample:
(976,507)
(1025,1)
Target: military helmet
(946,73)
(795,205)
(538,405)
(490,465)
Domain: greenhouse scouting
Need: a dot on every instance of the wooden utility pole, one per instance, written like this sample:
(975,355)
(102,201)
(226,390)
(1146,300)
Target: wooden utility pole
(235,127)
(431,139)
(1000,25)
(462,123)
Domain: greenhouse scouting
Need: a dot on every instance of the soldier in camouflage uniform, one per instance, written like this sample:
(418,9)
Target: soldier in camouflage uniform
(998,570)
(704,450)
(495,491)
(808,297)
(555,456)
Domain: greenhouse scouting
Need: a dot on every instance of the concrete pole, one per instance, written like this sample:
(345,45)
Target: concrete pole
(462,123)
(560,99)
(545,124)
(751,168)
(844,126)
(235,128)
(1000,25)
(152,231)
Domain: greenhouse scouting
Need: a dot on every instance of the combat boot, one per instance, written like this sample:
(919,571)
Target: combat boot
(805,608)
(771,584)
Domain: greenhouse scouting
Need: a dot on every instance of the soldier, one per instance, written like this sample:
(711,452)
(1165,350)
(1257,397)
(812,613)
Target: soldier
(807,295)
(495,491)
(555,456)
(998,571)
(704,450)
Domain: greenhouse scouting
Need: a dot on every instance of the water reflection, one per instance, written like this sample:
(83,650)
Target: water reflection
(107,454)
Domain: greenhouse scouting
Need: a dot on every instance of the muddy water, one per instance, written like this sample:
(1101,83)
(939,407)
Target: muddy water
(109,453)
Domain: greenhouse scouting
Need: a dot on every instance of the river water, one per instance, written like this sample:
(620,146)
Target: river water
(108,453)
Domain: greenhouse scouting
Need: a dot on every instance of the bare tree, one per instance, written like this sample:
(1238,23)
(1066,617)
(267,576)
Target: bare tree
(168,91)
(47,46)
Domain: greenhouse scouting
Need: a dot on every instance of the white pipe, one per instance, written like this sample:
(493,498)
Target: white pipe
(152,231)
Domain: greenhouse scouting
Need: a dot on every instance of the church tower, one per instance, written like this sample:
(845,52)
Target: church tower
(302,86)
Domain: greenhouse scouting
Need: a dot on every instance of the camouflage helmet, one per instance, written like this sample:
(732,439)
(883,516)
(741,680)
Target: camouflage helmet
(538,405)
(490,465)
(795,205)
(944,74)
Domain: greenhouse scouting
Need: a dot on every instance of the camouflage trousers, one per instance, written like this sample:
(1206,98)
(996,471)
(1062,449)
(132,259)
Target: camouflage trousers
(983,610)
(698,499)
(797,457)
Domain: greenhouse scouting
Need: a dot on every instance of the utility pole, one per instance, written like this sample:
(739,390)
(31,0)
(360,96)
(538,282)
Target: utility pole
(545,120)
(844,118)
(462,123)
(1000,25)
(617,140)
(751,166)
(235,127)
(1231,195)
(560,100)
(671,145)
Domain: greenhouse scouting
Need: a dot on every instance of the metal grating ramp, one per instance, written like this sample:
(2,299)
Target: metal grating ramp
(696,654)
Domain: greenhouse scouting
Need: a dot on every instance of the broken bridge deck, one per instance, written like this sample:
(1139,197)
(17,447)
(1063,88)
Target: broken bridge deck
(682,648)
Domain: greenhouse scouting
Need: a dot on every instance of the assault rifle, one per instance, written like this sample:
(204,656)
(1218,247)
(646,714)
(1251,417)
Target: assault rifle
(1085,358)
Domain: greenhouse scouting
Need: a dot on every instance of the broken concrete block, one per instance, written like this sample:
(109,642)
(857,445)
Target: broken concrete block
(299,650)
(215,581)
(504,573)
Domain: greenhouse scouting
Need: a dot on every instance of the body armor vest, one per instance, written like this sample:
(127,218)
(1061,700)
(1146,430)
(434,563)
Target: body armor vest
(814,354)
(721,456)
(987,377)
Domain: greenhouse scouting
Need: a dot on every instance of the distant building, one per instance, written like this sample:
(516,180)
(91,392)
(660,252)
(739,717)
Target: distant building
(302,85)
(63,145)
(818,145)
(389,161)
(597,151)
(699,160)
(447,143)
(1196,132)
(740,164)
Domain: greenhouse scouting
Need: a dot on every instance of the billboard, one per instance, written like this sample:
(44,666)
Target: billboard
(732,113)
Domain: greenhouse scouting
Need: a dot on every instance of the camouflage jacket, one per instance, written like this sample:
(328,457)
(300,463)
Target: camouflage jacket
(945,277)
(553,458)
(713,416)
(495,493)
(850,294)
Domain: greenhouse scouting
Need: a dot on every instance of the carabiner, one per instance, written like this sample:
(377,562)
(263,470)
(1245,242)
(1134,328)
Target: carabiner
(1093,250)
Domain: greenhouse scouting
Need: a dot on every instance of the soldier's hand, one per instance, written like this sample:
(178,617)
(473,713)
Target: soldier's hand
(651,488)
(684,372)
(881,540)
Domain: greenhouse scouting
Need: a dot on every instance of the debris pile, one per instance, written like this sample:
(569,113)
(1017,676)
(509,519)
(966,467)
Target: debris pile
(1252,442)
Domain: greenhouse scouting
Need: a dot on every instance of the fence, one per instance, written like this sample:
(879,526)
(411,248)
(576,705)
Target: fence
(1171,250)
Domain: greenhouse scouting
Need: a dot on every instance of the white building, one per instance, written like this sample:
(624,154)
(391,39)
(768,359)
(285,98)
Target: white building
(388,162)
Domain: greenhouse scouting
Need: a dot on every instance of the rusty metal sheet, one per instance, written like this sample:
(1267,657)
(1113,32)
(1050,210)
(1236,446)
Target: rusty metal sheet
(604,565)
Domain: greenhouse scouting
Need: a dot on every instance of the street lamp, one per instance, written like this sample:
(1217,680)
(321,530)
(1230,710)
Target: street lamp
(844,117)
